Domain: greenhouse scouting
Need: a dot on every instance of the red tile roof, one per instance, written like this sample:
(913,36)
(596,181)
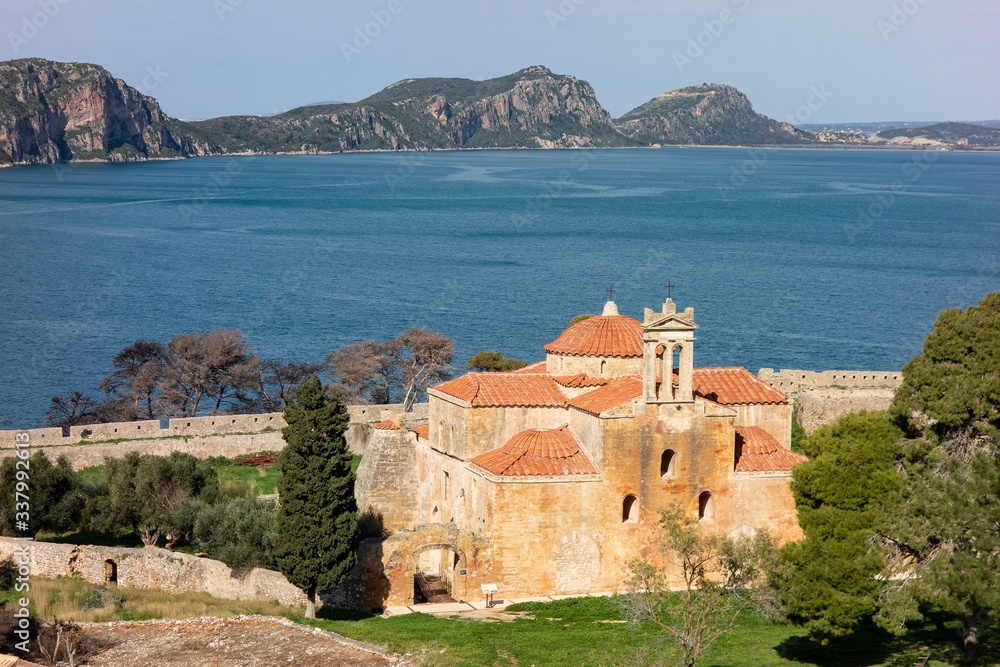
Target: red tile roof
(600,336)
(735,386)
(537,367)
(387,425)
(615,393)
(758,451)
(422,431)
(484,390)
(538,452)
(580,381)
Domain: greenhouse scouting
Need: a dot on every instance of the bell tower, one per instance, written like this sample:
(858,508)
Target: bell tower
(668,355)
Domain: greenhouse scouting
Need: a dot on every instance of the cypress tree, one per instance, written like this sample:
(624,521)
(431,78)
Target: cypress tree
(316,533)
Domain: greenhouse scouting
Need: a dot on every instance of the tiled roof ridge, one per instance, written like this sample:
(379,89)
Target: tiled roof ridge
(538,452)
(580,381)
(757,451)
(615,336)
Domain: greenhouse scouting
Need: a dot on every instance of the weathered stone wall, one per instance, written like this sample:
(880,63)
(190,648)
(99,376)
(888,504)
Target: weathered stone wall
(155,568)
(823,397)
(387,478)
(221,435)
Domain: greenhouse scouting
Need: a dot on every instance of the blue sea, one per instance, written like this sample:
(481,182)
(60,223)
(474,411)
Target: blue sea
(812,259)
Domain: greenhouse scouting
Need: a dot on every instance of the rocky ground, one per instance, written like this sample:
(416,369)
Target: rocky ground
(232,642)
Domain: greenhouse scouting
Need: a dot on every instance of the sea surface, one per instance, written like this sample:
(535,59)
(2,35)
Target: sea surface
(811,259)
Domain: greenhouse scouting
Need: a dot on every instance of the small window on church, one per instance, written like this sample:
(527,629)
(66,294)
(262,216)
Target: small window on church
(667,462)
(706,508)
(604,367)
(630,509)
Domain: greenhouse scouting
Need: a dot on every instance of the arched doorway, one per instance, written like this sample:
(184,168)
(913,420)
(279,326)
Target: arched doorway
(439,574)
(110,572)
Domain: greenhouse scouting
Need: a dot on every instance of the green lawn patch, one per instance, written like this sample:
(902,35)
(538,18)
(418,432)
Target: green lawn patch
(237,479)
(588,631)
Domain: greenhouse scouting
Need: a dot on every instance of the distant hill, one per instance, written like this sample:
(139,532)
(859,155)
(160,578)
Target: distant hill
(57,112)
(954,134)
(705,114)
(532,108)
(879,126)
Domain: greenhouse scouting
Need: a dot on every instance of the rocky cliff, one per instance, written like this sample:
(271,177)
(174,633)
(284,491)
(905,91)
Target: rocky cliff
(709,114)
(532,108)
(55,112)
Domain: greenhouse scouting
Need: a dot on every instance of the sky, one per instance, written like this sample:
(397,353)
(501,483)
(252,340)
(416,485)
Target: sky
(817,61)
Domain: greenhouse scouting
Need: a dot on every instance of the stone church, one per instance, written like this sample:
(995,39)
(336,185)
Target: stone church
(548,480)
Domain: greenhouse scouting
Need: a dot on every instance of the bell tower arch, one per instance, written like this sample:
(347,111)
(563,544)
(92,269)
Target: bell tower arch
(668,355)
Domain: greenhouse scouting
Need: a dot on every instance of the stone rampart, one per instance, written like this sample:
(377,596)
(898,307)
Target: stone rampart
(154,568)
(825,396)
(220,435)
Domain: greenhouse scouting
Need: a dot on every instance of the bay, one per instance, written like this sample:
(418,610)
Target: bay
(811,259)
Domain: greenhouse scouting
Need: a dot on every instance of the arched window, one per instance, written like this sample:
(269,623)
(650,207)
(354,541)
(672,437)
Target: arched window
(675,368)
(658,370)
(604,367)
(706,508)
(630,509)
(668,460)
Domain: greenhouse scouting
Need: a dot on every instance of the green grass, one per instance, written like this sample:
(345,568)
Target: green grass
(355,462)
(236,479)
(576,632)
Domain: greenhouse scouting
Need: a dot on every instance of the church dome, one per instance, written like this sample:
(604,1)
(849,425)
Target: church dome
(605,335)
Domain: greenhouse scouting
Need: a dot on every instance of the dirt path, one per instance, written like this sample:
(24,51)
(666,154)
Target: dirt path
(231,642)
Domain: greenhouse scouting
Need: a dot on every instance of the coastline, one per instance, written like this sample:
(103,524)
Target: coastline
(831,146)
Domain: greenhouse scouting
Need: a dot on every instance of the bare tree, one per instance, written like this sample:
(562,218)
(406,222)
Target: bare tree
(366,372)
(720,577)
(211,365)
(276,378)
(74,409)
(134,387)
(428,361)
(399,369)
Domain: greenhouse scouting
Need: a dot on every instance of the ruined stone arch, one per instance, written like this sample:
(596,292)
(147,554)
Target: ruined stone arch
(440,546)
(576,558)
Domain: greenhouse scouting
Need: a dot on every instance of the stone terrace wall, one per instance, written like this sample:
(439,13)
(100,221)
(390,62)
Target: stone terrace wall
(155,568)
(221,435)
(823,397)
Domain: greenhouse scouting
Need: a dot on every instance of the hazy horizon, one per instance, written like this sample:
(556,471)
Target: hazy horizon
(869,60)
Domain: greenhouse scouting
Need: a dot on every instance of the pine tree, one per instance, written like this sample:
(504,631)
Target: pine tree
(317,526)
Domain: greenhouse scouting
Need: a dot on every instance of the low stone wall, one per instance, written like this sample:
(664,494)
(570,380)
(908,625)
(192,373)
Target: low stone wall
(823,397)
(154,568)
(221,435)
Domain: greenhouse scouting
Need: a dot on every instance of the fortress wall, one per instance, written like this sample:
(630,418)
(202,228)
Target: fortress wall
(220,435)
(823,397)
(792,380)
(154,568)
